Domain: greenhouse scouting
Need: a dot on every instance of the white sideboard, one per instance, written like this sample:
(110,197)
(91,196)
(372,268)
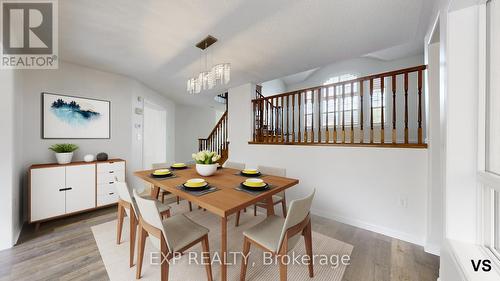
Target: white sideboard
(59,190)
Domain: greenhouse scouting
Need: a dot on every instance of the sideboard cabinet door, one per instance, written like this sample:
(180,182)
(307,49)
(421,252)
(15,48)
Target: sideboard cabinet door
(81,185)
(47,193)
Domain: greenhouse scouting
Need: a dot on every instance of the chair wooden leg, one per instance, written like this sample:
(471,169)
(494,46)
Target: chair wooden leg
(244,261)
(119,225)
(190,207)
(308,243)
(140,251)
(165,214)
(133,230)
(283,265)
(283,207)
(165,256)
(237,222)
(254,210)
(163,197)
(245,210)
(206,257)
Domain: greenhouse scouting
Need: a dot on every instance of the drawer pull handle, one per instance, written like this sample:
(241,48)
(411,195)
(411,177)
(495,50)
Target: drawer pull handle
(111,193)
(111,182)
(64,189)
(111,172)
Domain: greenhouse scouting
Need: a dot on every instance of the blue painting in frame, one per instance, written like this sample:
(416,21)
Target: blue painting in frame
(69,117)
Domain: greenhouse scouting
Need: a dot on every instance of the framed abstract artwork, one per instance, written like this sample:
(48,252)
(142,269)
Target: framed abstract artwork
(68,117)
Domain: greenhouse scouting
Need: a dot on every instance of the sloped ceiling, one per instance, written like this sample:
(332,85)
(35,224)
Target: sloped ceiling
(153,40)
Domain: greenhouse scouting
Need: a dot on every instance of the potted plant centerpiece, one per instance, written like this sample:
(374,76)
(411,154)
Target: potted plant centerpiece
(206,162)
(64,152)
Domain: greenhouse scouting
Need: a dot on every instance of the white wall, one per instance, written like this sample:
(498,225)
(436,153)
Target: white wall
(71,79)
(140,92)
(9,149)
(352,185)
(273,87)
(435,172)
(461,125)
(192,123)
(458,86)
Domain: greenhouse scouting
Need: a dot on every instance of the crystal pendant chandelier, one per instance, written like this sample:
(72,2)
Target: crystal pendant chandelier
(219,74)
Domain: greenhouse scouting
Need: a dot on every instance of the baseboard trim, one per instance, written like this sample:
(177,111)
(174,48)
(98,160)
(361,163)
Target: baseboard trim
(371,227)
(433,248)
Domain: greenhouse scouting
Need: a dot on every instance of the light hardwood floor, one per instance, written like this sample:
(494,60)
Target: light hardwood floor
(65,250)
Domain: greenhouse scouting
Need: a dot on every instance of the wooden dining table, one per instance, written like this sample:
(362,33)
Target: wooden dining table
(227,200)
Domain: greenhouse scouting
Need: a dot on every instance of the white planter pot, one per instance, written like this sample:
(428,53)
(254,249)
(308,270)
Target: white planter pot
(206,170)
(64,158)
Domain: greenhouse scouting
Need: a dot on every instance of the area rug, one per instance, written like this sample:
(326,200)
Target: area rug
(328,251)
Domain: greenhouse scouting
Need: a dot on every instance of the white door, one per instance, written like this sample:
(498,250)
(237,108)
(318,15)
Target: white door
(80,185)
(47,193)
(155,135)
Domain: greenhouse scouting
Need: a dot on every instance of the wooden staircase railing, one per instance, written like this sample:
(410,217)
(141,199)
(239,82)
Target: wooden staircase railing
(266,123)
(217,139)
(342,113)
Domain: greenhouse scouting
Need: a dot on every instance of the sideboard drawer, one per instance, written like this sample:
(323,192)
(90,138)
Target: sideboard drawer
(106,188)
(110,167)
(110,177)
(106,199)
(106,194)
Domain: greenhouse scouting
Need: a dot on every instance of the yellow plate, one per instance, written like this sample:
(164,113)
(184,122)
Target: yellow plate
(254,184)
(178,165)
(250,172)
(194,185)
(161,172)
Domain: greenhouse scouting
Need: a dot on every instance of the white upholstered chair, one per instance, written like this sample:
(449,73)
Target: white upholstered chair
(234,165)
(162,194)
(171,235)
(279,236)
(277,198)
(126,206)
(237,166)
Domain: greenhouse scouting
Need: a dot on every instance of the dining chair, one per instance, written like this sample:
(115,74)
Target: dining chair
(277,198)
(237,166)
(172,235)
(164,193)
(234,165)
(279,236)
(125,206)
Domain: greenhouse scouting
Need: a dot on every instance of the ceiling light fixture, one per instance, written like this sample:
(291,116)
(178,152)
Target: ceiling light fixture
(219,74)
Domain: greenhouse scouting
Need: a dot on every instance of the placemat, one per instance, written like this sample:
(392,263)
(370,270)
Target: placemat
(249,177)
(198,193)
(180,169)
(255,193)
(166,178)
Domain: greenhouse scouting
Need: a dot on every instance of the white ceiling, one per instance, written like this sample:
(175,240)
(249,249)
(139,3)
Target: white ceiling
(153,40)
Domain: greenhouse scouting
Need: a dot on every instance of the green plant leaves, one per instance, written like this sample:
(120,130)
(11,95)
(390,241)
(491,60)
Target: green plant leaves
(63,147)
